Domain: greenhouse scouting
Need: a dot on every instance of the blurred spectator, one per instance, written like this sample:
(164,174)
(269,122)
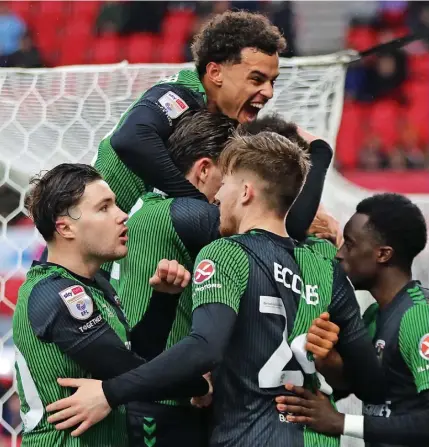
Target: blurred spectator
(281,14)
(113,17)
(28,56)
(397,160)
(371,157)
(12,28)
(411,148)
(145,17)
(385,78)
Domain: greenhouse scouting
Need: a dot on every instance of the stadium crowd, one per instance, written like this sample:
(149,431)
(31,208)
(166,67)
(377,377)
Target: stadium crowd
(254,201)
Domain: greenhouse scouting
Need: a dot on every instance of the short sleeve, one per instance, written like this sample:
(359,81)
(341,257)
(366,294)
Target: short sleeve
(414,343)
(63,312)
(221,274)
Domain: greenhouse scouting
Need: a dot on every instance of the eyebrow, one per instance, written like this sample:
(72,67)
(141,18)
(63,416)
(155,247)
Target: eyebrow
(263,75)
(105,200)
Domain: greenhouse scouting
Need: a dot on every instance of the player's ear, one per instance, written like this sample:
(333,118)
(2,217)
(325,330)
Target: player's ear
(64,228)
(203,167)
(385,254)
(214,73)
(247,193)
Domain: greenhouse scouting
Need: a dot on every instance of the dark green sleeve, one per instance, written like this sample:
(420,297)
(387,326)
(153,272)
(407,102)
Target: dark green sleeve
(414,343)
(370,319)
(221,274)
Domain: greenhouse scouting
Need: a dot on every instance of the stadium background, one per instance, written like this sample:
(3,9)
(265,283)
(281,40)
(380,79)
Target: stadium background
(382,143)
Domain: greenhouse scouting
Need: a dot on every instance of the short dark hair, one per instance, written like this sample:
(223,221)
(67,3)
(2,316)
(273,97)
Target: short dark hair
(397,222)
(279,163)
(224,37)
(197,135)
(55,191)
(274,123)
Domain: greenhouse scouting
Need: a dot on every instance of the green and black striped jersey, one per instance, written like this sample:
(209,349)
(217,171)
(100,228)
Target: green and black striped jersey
(400,332)
(159,108)
(277,289)
(162,228)
(56,316)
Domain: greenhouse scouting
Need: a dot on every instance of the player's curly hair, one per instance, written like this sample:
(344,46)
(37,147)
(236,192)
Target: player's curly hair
(397,222)
(54,192)
(224,37)
(199,134)
(274,123)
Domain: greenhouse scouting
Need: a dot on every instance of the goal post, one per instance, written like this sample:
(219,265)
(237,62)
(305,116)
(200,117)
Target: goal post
(57,115)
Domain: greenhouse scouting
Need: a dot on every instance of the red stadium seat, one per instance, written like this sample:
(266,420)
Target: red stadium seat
(52,13)
(350,135)
(106,50)
(419,66)
(361,38)
(177,25)
(24,9)
(85,11)
(171,52)
(384,120)
(140,48)
(418,107)
(75,49)
(47,41)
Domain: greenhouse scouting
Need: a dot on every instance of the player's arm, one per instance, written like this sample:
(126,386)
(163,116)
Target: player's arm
(88,341)
(305,207)
(317,413)
(361,367)
(216,300)
(196,222)
(140,141)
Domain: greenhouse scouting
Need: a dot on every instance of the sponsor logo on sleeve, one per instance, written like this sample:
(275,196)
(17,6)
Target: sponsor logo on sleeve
(204,271)
(424,347)
(78,303)
(173,105)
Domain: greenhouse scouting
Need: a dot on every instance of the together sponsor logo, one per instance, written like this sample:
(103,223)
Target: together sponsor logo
(91,323)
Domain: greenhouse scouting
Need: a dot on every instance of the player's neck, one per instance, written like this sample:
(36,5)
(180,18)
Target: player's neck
(74,262)
(263,220)
(390,282)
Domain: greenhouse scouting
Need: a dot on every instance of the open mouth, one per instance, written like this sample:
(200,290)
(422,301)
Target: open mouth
(252,108)
(123,235)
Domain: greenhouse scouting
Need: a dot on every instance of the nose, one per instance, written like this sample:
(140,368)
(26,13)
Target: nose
(340,254)
(122,217)
(268,90)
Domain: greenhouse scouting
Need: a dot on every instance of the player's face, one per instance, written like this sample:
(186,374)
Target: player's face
(100,227)
(228,198)
(359,253)
(246,87)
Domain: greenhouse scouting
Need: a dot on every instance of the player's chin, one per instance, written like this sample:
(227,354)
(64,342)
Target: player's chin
(119,252)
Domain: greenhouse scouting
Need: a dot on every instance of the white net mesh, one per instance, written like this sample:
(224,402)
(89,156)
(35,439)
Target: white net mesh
(50,116)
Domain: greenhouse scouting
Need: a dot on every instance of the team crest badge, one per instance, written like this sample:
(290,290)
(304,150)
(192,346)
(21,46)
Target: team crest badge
(204,271)
(78,303)
(424,347)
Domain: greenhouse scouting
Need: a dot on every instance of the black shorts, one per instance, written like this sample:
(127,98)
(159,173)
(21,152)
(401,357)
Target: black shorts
(158,425)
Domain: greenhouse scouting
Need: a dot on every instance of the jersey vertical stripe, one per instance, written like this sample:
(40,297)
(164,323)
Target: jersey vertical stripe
(40,364)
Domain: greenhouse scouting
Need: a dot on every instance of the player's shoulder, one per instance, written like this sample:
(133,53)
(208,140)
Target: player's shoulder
(189,208)
(176,94)
(415,300)
(226,248)
(58,288)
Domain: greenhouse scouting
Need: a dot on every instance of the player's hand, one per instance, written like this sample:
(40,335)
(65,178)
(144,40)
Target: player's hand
(84,408)
(325,226)
(322,336)
(313,410)
(170,277)
(204,401)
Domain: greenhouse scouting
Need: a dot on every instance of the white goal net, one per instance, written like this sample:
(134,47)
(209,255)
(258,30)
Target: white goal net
(50,116)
